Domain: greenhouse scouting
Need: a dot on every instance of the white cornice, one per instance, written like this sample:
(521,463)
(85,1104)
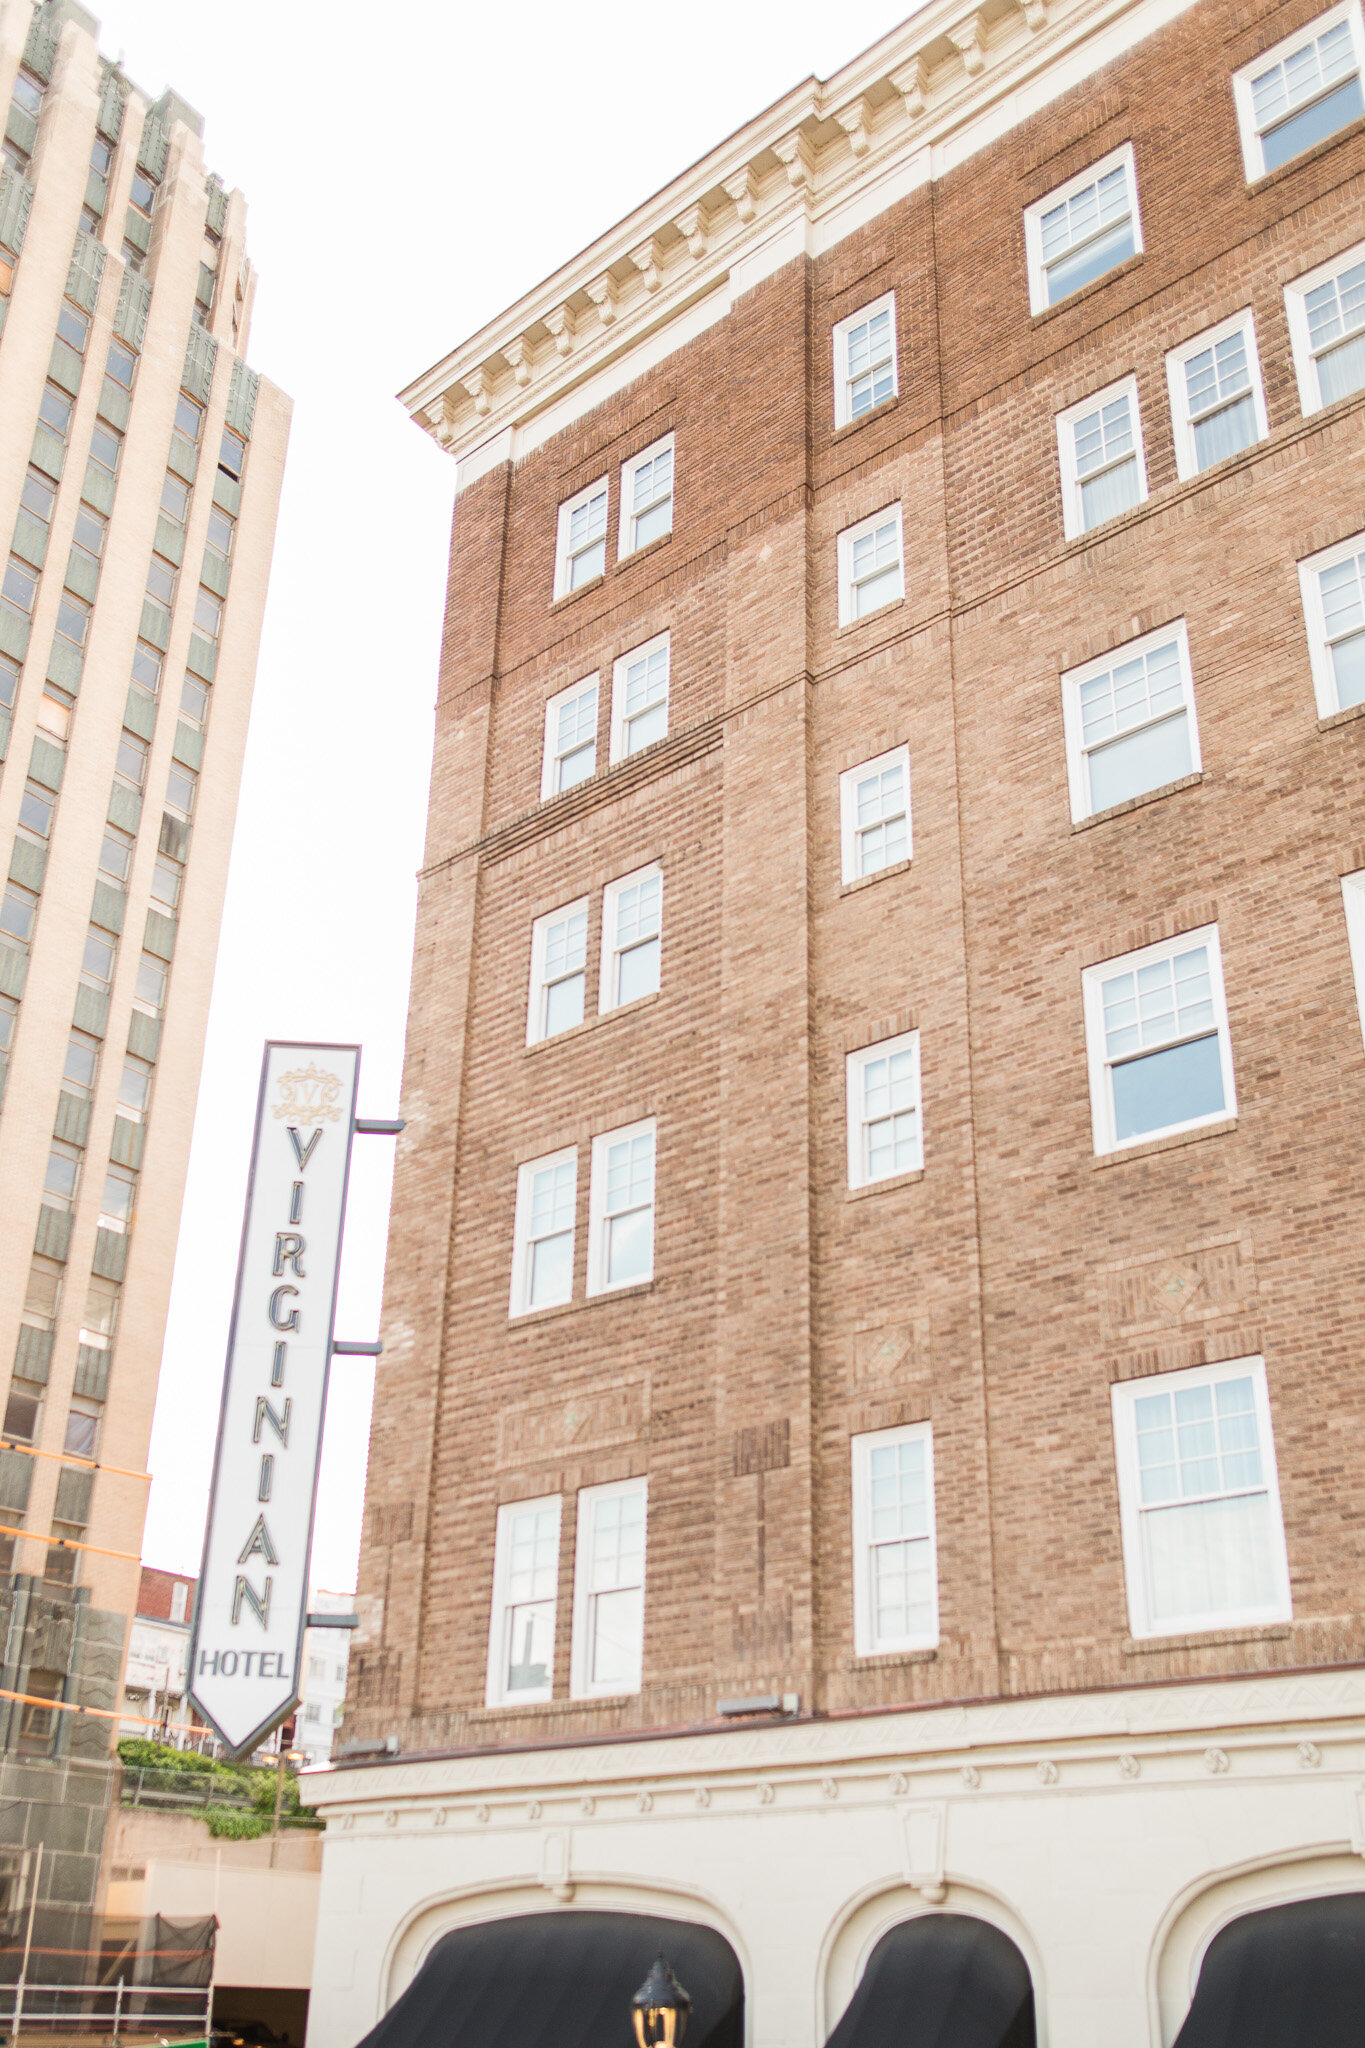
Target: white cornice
(814,167)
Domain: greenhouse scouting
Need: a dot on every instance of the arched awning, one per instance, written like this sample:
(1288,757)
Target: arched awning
(562,1980)
(1287,1977)
(944,1980)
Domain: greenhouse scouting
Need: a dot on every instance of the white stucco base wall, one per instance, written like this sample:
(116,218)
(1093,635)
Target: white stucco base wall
(1110,1835)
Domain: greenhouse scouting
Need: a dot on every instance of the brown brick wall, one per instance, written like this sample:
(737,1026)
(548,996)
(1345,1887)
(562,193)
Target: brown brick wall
(1000,1293)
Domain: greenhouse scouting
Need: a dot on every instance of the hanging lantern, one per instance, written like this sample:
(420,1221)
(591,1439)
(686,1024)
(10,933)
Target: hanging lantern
(660,2009)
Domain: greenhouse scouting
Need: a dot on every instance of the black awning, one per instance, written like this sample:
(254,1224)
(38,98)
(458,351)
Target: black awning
(562,1980)
(1288,1977)
(941,1981)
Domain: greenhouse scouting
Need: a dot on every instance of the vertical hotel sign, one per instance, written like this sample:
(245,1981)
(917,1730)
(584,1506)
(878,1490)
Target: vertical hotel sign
(253,1586)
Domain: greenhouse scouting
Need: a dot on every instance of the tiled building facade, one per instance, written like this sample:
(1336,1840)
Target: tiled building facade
(868,1423)
(140,464)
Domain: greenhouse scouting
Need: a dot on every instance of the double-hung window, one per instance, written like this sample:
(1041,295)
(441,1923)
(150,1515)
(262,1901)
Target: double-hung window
(632,927)
(870,565)
(1203,1539)
(1099,448)
(570,738)
(639,698)
(1156,1031)
(1326,315)
(647,496)
(1353,900)
(865,360)
(609,1589)
(521,1636)
(874,814)
(1301,91)
(1129,721)
(895,1570)
(543,1234)
(621,1208)
(885,1130)
(559,959)
(581,545)
(1086,227)
(1332,586)
(1217,406)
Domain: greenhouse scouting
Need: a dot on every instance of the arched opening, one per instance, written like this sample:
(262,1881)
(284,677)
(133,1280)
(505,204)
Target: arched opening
(1282,1978)
(943,1980)
(562,1980)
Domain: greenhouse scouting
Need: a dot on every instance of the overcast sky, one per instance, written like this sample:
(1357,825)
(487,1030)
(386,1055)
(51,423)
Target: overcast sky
(409,172)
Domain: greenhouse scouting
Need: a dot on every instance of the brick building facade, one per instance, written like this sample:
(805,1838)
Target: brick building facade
(974,1463)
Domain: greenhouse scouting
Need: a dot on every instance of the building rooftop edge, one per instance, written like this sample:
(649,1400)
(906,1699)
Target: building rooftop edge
(933,90)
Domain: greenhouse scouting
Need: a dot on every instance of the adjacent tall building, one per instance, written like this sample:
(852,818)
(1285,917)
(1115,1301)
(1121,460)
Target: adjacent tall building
(140,463)
(869,1448)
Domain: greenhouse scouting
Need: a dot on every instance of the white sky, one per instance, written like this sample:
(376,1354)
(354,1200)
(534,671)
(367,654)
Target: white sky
(410,171)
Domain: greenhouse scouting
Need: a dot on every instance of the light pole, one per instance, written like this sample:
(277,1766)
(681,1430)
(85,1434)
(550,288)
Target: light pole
(660,2009)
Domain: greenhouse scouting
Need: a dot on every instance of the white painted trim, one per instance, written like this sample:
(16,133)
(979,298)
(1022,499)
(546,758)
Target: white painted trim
(854,1063)
(601,487)
(843,403)
(519,1302)
(617,742)
(1033,219)
(844,545)
(598,1282)
(1310,591)
(1101,1093)
(626,543)
(537,991)
(581,1686)
(1123,1396)
(848,809)
(1186,460)
(866,1643)
(549,766)
(495,1689)
(1073,523)
(1253,155)
(1353,903)
(1311,399)
(607,989)
(1074,679)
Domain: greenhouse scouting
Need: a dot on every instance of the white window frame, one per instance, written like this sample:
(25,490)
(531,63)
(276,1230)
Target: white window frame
(866,1642)
(1073,520)
(859,1173)
(843,380)
(1310,590)
(1253,154)
(1124,1395)
(538,998)
(1033,222)
(620,667)
(1101,1094)
(549,770)
(849,834)
(1353,903)
(1074,681)
(598,1282)
(563,564)
(581,1686)
(496,1689)
(1186,460)
(607,996)
(845,545)
(1296,297)
(626,541)
(520,1303)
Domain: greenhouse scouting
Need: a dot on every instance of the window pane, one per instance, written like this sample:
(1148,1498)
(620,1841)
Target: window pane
(643,730)
(591,562)
(1341,370)
(563,1004)
(902,1590)
(552,1270)
(1144,760)
(60,1178)
(616,1637)
(649,525)
(1225,433)
(638,972)
(878,590)
(1314,124)
(1104,497)
(577,766)
(630,1246)
(1113,247)
(35,811)
(1169,1087)
(530,1646)
(1209,1557)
